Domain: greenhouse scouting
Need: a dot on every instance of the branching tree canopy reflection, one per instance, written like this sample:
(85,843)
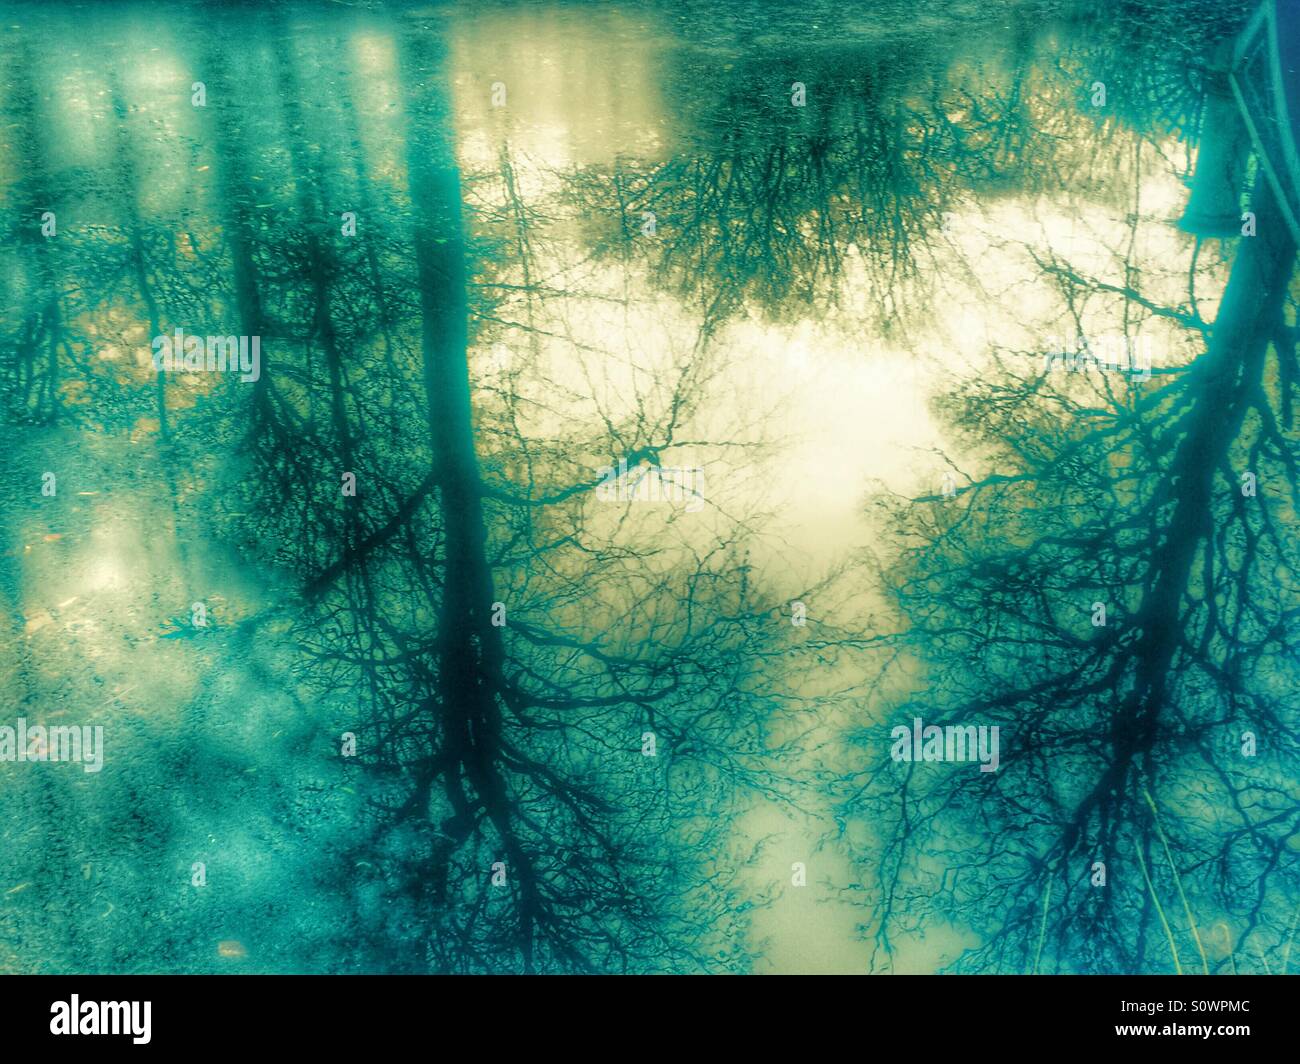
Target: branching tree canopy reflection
(570,709)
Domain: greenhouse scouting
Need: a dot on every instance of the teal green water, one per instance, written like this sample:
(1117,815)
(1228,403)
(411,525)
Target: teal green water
(655,406)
